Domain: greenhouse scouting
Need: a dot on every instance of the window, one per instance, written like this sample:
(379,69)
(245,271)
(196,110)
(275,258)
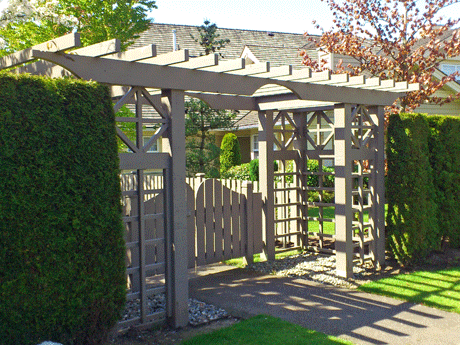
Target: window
(255,143)
(449,69)
(154,147)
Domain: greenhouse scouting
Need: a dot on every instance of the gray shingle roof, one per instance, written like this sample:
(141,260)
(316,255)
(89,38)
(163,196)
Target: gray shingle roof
(286,44)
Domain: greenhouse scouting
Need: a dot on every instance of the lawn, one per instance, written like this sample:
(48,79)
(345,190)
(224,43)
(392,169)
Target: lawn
(239,261)
(438,289)
(263,330)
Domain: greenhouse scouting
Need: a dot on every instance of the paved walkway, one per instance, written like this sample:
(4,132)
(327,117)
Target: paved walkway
(349,314)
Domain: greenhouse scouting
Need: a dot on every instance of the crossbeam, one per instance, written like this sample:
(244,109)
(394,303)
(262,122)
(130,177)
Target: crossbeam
(55,45)
(115,72)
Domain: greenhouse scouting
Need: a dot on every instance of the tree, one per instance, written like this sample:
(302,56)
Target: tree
(398,39)
(202,154)
(209,38)
(27,22)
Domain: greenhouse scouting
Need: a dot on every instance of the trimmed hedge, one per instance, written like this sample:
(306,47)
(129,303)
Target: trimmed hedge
(62,271)
(445,160)
(423,185)
(230,154)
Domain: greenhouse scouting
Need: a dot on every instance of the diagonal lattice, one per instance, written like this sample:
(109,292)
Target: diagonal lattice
(362,127)
(141,99)
(285,132)
(319,129)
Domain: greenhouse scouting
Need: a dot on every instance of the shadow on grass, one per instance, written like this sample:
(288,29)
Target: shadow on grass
(438,289)
(264,329)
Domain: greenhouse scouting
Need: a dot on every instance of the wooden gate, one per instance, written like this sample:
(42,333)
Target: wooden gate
(225,222)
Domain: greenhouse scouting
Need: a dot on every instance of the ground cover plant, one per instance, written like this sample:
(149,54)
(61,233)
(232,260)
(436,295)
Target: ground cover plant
(263,329)
(438,289)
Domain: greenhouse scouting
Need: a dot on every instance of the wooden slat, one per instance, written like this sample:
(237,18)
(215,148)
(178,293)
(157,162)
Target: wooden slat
(227,223)
(218,220)
(190,224)
(257,68)
(200,62)
(55,45)
(137,54)
(169,58)
(227,66)
(200,239)
(209,211)
(277,72)
(235,225)
(99,49)
(257,220)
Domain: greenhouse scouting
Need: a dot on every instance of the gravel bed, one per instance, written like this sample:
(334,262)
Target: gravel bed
(199,312)
(313,266)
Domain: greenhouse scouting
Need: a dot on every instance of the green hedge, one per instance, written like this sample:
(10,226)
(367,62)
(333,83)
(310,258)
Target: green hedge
(230,154)
(422,189)
(62,250)
(445,161)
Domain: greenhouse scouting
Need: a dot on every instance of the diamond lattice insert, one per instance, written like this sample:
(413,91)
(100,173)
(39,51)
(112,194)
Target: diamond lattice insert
(320,130)
(362,127)
(285,131)
(141,131)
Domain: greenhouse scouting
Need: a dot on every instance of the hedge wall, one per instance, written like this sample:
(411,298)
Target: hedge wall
(62,249)
(445,161)
(423,184)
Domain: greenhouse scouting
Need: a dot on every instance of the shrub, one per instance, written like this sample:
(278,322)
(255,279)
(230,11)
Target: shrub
(238,172)
(412,227)
(62,272)
(229,152)
(445,161)
(254,170)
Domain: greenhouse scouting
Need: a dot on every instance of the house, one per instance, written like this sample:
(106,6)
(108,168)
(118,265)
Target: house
(280,49)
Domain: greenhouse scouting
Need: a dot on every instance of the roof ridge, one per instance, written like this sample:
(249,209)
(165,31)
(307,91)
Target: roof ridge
(234,29)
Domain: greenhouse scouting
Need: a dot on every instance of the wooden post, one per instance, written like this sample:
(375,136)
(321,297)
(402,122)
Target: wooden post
(378,116)
(300,145)
(343,191)
(176,239)
(266,157)
(249,224)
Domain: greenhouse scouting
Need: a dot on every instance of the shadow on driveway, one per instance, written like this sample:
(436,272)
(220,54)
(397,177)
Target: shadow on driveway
(349,314)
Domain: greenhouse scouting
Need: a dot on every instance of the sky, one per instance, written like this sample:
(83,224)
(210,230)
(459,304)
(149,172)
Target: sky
(292,16)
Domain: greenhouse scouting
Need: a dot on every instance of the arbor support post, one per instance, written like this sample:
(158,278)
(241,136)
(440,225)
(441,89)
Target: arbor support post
(176,236)
(266,176)
(343,190)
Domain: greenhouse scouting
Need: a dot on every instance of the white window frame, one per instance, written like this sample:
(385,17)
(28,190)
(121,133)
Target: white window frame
(448,69)
(155,146)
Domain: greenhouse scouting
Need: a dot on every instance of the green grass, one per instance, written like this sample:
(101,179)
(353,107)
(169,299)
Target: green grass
(439,289)
(239,261)
(264,330)
(328,227)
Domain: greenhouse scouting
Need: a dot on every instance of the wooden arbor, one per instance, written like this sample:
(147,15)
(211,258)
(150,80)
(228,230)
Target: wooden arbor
(312,109)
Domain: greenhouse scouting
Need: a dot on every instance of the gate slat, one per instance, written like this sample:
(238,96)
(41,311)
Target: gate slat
(227,223)
(235,226)
(257,219)
(200,244)
(209,219)
(190,226)
(218,219)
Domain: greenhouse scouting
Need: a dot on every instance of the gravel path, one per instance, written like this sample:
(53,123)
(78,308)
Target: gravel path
(317,267)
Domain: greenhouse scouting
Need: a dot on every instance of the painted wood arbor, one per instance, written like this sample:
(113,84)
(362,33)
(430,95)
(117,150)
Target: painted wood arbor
(304,115)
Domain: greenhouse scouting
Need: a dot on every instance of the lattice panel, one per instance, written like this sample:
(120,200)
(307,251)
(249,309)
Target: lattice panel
(362,127)
(141,132)
(319,130)
(362,194)
(285,131)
